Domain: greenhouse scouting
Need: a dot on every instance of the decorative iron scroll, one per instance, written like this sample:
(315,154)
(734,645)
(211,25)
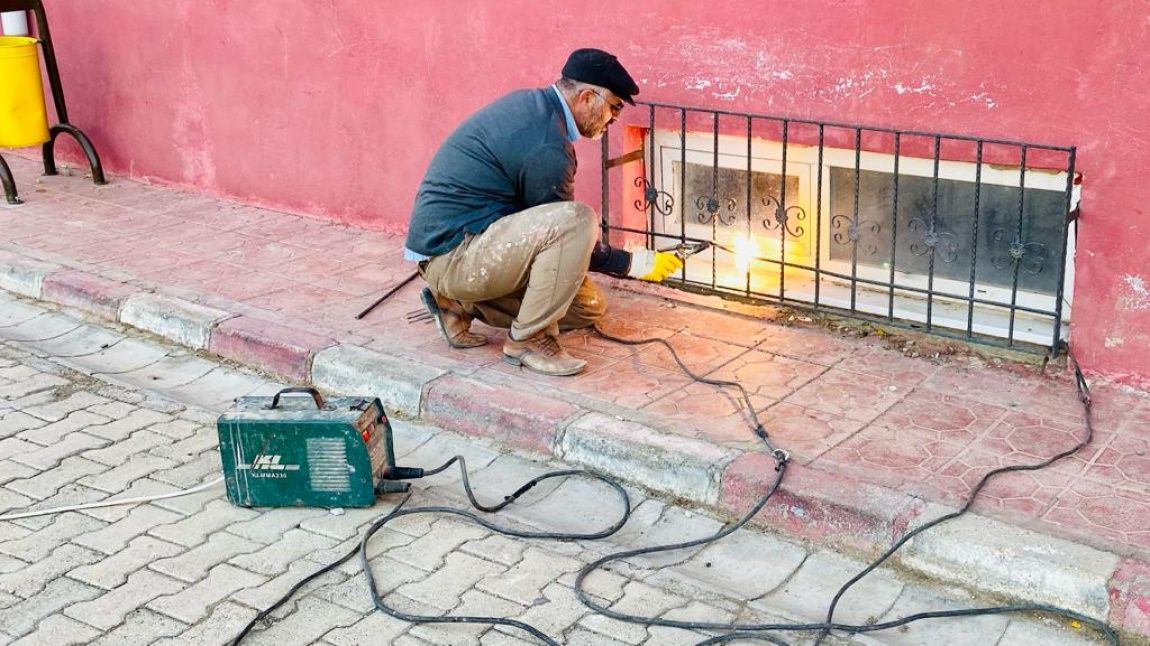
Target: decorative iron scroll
(1031,256)
(781,218)
(709,208)
(941,244)
(662,200)
(852,231)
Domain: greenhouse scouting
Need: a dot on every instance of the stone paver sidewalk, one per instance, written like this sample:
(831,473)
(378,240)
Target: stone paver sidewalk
(880,431)
(193,570)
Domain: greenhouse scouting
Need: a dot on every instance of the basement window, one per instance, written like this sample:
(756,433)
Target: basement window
(965,245)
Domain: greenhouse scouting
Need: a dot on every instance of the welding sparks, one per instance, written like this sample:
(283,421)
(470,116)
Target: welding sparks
(746,250)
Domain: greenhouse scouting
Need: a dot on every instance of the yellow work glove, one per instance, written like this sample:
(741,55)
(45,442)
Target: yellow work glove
(653,266)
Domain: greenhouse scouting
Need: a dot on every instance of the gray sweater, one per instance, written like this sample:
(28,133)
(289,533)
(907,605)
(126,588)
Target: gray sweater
(509,156)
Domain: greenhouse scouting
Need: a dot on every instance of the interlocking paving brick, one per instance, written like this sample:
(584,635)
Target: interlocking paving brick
(272,524)
(500,549)
(202,439)
(265,595)
(474,604)
(36,384)
(21,618)
(118,478)
(552,609)
(195,563)
(13,446)
(639,599)
(13,422)
(375,628)
(428,551)
(189,474)
(178,429)
(347,524)
(222,626)
(113,571)
(194,603)
(523,582)
(10,470)
(115,537)
(275,558)
(63,408)
(110,609)
(59,630)
(39,544)
(121,427)
(313,619)
(50,456)
(446,585)
(56,431)
(352,592)
(28,581)
(194,529)
(141,628)
(121,451)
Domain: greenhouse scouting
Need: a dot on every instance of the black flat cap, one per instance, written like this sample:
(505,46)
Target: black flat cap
(597,67)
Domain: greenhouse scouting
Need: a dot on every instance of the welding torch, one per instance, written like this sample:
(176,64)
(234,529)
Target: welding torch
(685,250)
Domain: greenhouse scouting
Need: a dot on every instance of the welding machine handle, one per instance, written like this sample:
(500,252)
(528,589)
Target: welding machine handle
(305,390)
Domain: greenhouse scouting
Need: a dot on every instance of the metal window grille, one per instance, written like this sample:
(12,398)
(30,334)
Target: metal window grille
(960,236)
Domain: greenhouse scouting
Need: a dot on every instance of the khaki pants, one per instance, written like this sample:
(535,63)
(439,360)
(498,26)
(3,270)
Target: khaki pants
(526,272)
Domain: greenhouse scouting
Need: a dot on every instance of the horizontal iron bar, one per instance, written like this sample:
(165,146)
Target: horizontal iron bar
(855,126)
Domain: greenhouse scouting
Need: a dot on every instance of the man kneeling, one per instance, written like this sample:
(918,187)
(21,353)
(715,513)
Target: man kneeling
(495,228)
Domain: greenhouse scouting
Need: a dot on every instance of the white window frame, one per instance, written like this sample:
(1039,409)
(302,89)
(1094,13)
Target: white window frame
(766,156)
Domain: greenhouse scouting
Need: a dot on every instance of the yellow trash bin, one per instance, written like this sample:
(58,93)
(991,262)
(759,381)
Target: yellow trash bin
(23,119)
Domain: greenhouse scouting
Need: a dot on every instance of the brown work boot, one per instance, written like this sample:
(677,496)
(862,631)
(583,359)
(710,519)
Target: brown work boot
(451,320)
(541,353)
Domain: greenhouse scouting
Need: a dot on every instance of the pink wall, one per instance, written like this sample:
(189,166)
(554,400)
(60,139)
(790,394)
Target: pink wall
(334,108)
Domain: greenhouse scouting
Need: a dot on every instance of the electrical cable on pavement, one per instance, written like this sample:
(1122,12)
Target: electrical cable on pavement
(112,503)
(738,631)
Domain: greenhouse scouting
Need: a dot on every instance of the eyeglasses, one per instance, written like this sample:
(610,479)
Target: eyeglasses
(616,108)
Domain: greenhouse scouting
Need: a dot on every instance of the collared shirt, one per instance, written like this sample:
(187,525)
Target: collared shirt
(572,136)
(572,129)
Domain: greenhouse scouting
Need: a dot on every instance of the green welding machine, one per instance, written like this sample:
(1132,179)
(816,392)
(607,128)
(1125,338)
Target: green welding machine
(304,451)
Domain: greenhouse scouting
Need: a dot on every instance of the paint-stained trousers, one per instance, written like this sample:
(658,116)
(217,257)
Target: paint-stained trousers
(526,272)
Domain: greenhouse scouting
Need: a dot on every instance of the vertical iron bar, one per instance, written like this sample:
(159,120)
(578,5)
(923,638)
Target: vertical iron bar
(933,232)
(855,219)
(974,241)
(750,133)
(782,225)
(894,229)
(605,155)
(650,174)
(1018,240)
(819,221)
(683,183)
(1055,341)
(715,196)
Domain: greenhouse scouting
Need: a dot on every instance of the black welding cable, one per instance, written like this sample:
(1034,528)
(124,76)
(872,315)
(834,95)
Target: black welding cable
(377,598)
(1083,390)
(744,630)
(309,578)
(399,511)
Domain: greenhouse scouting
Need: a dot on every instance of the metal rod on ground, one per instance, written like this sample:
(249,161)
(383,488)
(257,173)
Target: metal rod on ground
(386,296)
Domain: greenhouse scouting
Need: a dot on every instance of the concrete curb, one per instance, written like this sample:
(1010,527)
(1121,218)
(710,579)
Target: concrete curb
(826,508)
